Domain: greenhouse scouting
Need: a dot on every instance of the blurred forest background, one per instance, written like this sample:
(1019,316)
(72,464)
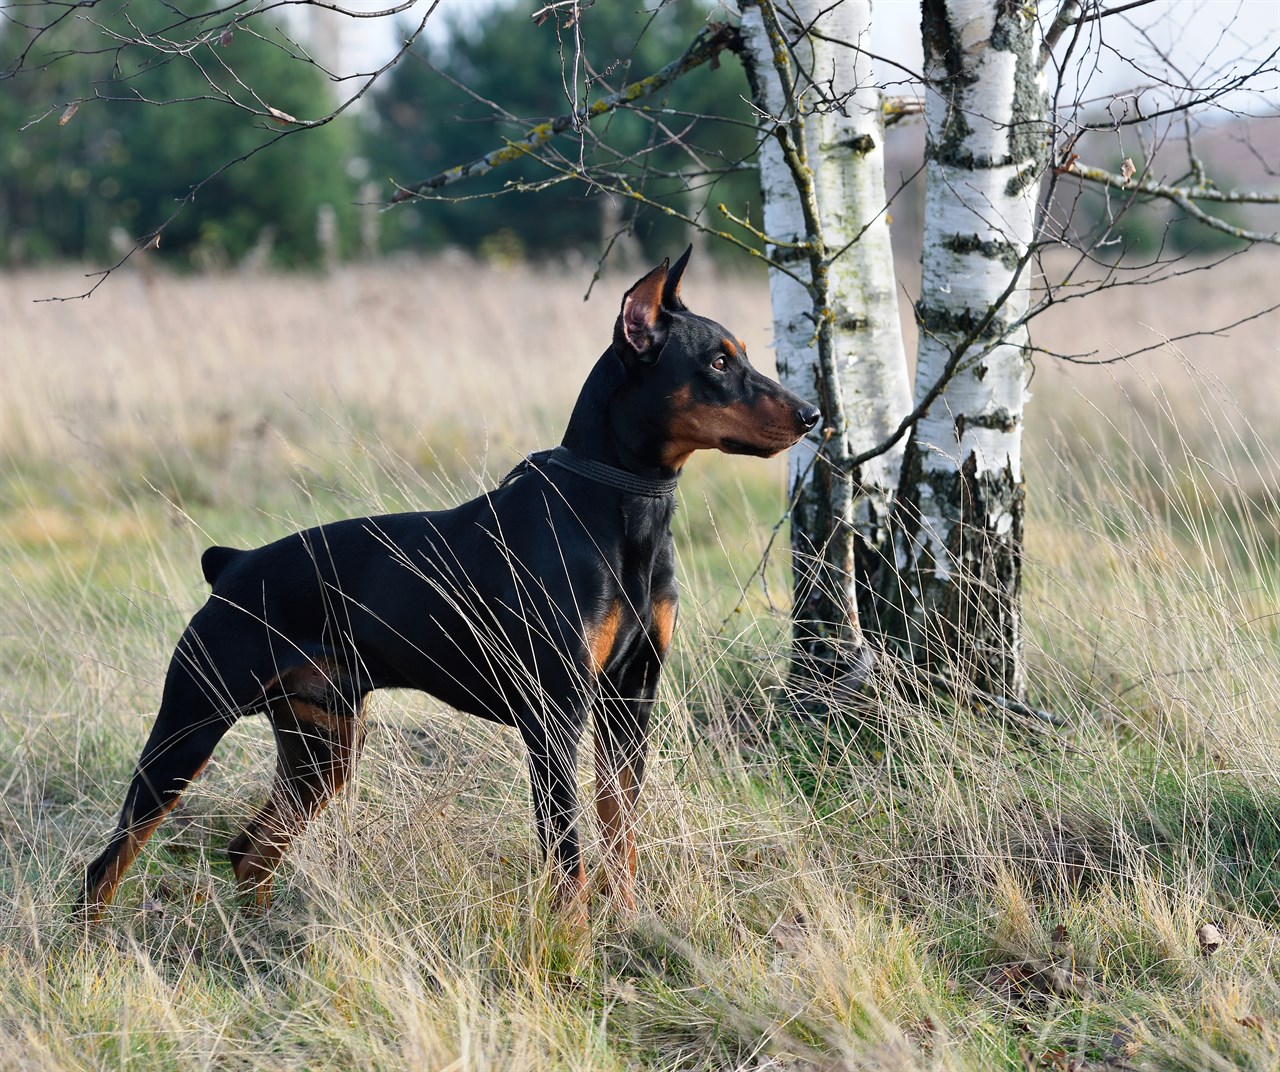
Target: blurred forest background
(117,167)
(83,186)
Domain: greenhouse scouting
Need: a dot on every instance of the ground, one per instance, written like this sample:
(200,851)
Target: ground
(933,887)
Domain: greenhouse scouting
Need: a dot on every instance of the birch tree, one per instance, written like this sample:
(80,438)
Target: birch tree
(908,505)
(959,518)
(837,334)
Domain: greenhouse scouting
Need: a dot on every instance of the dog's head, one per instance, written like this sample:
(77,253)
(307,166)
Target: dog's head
(693,382)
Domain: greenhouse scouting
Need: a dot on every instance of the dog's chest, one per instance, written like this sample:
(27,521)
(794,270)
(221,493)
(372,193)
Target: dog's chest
(635,615)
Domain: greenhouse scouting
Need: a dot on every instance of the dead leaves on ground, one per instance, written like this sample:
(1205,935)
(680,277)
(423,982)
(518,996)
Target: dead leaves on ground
(1035,981)
(1060,975)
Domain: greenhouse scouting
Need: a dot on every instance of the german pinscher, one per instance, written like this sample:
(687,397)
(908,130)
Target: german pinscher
(549,597)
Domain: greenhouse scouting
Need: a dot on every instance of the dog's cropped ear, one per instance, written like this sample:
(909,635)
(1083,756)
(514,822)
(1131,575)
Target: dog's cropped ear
(640,332)
(671,288)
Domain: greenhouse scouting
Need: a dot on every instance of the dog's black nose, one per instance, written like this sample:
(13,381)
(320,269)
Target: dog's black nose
(807,416)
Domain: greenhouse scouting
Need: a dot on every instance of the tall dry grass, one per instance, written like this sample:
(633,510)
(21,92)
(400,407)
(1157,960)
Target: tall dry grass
(883,895)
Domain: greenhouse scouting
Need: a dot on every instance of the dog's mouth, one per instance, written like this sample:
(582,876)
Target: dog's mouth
(756,450)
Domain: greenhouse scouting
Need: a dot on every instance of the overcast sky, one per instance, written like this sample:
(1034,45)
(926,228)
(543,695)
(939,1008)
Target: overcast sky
(1202,37)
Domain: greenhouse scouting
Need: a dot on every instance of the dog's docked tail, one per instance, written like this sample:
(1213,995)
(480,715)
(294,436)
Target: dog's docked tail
(215,560)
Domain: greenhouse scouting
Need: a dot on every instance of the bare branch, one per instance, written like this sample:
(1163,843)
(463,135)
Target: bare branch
(1184,197)
(1219,332)
(812,31)
(1102,12)
(896,109)
(705,47)
(621,187)
(1238,80)
(1067,17)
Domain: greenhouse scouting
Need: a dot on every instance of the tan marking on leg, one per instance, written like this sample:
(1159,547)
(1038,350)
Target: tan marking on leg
(316,752)
(600,638)
(101,895)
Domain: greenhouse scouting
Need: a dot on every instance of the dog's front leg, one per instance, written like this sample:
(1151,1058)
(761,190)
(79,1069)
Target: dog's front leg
(621,744)
(551,738)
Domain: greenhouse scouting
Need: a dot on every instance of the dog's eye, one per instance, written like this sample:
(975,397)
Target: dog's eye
(720,363)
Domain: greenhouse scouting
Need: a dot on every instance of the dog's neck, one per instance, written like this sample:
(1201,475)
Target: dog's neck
(596,432)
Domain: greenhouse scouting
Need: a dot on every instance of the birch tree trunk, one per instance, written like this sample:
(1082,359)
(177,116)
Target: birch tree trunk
(959,540)
(839,523)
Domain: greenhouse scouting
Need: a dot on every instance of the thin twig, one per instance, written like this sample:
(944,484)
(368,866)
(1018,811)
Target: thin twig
(705,47)
(1183,196)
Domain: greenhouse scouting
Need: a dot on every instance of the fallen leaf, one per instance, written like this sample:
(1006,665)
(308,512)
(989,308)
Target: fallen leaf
(279,116)
(626,992)
(790,935)
(1210,939)
(1123,1044)
(1009,981)
(1127,169)
(66,116)
(921,1032)
(1060,946)
(1054,1058)
(1066,984)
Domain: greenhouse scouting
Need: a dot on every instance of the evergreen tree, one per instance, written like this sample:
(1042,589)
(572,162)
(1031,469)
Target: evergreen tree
(423,123)
(125,158)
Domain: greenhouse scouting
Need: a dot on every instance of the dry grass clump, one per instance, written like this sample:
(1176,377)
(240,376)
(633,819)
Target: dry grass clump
(930,885)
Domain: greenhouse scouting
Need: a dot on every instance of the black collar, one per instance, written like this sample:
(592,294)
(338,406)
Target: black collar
(609,475)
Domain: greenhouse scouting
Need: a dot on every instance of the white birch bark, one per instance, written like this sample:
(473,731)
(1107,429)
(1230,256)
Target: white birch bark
(848,163)
(844,139)
(959,554)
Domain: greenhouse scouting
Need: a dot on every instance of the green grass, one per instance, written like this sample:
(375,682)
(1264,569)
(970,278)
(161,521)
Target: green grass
(880,892)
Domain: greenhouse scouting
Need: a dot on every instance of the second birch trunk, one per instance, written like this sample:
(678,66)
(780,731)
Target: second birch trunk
(959,549)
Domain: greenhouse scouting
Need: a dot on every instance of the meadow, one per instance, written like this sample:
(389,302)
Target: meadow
(930,887)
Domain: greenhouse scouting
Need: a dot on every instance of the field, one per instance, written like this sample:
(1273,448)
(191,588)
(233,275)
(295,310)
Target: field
(937,889)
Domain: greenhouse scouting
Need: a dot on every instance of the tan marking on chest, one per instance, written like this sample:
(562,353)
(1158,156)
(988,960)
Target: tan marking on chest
(664,623)
(600,637)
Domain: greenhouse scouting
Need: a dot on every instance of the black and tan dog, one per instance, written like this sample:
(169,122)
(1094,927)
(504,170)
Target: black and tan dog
(548,598)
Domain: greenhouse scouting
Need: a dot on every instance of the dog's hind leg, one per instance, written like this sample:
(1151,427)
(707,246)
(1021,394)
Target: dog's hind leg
(319,731)
(186,731)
